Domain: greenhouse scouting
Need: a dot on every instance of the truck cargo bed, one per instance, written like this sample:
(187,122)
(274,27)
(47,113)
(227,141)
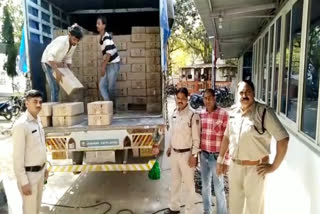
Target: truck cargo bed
(127,120)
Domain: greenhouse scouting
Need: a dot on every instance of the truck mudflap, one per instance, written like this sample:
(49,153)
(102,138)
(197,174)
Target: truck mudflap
(103,167)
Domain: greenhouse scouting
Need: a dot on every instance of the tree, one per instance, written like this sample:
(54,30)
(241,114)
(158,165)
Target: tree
(8,40)
(189,28)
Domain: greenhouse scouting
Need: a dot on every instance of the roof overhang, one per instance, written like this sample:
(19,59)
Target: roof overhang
(235,24)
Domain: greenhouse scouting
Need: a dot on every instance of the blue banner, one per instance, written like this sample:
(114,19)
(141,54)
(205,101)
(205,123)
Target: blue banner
(165,33)
(22,54)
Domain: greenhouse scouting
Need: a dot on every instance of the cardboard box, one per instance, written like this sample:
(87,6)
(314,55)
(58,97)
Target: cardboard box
(122,92)
(139,37)
(154,30)
(77,60)
(151,38)
(136,84)
(137,92)
(90,71)
(153,91)
(122,76)
(154,107)
(68,109)
(58,121)
(91,85)
(46,121)
(90,55)
(90,78)
(135,30)
(121,100)
(138,68)
(153,76)
(136,76)
(153,83)
(138,52)
(121,46)
(152,60)
(69,82)
(90,62)
(155,44)
(47,109)
(124,53)
(100,108)
(92,93)
(131,45)
(121,38)
(123,84)
(139,100)
(122,107)
(100,120)
(125,68)
(153,68)
(123,60)
(136,60)
(153,52)
(154,99)
(91,46)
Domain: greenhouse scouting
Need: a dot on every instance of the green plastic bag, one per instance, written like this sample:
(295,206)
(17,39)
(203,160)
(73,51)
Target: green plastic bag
(154,173)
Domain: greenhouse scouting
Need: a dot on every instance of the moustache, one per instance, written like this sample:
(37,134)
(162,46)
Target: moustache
(246,98)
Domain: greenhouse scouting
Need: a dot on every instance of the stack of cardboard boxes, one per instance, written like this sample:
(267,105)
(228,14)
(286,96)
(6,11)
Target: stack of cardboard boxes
(46,114)
(139,81)
(67,114)
(100,113)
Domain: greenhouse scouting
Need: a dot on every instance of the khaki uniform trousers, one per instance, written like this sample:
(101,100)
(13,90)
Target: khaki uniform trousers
(247,190)
(32,203)
(181,172)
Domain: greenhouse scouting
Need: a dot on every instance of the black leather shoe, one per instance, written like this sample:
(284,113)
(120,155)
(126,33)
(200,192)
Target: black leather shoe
(168,211)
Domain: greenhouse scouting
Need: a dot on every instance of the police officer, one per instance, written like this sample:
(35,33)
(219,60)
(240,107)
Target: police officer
(248,136)
(29,154)
(183,152)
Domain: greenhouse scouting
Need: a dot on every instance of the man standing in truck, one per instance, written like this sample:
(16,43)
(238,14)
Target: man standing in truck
(58,54)
(111,62)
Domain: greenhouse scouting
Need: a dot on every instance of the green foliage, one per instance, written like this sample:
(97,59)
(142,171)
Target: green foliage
(8,39)
(189,41)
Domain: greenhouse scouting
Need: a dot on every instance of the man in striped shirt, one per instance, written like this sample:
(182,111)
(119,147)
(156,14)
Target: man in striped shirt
(213,124)
(111,62)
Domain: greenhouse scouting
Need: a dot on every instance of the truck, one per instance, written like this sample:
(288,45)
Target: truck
(126,144)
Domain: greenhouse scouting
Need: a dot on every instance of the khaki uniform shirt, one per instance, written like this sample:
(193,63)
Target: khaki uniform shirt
(184,131)
(29,148)
(245,142)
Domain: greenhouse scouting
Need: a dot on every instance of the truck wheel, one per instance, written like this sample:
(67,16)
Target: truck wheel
(77,158)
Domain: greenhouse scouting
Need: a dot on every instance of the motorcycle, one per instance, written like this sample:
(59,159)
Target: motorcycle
(196,100)
(6,110)
(17,105)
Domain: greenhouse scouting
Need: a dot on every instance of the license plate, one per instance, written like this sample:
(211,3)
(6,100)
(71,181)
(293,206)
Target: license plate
(100,143)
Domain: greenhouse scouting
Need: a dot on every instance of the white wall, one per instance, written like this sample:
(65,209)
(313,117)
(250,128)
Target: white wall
(294,188)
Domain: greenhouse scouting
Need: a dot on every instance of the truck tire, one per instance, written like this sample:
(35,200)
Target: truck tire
(77,158)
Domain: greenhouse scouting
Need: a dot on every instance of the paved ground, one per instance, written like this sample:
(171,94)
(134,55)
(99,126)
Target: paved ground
(132,191)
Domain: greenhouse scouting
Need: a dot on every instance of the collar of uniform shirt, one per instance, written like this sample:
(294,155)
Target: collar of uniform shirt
(250,109)
(183,111)
(31,118)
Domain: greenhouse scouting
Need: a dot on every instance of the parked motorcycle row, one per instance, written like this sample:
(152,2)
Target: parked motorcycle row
(224,98)
(11,107)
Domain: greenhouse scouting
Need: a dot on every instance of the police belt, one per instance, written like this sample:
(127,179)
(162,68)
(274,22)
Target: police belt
(34,168)
(181,150)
